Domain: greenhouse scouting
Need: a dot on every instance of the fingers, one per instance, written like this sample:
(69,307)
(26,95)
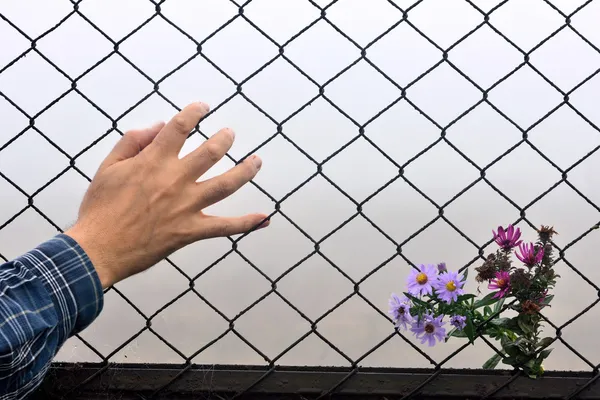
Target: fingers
(208,154)
(131,144)
(170,140)
(228,226)
(218,188)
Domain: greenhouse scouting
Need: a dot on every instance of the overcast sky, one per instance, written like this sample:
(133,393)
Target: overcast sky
(359,170)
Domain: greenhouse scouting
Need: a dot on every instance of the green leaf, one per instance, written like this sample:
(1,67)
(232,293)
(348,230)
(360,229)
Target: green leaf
(470,330)
(416,300)
(487,311)
(525,324)
(509,361)
(465,274)
(493,332)
(457,333)
(499,305)
(486,301)
(523,344)
(449,335)
(545,353)
(512,350)
(503,322)
(465,297)
(545,342)
(547,300)
(492,362)
(510,324)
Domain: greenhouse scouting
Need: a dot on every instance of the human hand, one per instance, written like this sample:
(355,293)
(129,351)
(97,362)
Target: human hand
(144,202)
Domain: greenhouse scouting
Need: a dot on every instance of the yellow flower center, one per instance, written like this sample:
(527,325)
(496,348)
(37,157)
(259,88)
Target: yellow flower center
(500,282)
(421,279)
(451,286)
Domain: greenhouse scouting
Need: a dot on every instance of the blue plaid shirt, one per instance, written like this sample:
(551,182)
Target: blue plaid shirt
(46,296)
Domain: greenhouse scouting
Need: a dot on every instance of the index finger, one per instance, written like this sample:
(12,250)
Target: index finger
(172,137)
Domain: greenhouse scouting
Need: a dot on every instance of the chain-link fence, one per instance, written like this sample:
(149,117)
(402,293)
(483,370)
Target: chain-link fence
(337,380)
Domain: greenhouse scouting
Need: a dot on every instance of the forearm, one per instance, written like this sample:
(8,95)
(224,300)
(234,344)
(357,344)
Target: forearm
(46,296)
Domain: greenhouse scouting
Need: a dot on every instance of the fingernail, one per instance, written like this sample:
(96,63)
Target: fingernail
(231,132)
(257,162)
(264,224)
(205,107)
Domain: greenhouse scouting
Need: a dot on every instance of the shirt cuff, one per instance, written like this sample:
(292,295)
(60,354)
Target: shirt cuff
(71,281)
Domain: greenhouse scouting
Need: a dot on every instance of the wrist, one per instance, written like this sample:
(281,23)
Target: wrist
(95,255)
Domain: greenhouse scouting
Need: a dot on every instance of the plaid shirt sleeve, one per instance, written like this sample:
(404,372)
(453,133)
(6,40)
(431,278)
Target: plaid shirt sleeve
(46,296)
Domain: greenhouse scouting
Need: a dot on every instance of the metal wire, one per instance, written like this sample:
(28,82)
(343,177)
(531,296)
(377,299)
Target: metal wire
(280,132)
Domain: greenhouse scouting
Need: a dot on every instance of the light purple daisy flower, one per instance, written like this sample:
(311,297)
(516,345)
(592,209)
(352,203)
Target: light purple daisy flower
(458,321)
(419,281)
(400,311)
(449,286)
(428,329)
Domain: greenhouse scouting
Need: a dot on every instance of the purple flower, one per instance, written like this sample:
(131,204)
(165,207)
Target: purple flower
(528,255)
(400,311)
(500,283)
(419,281)
(428,329)
(509,238)
(442,268)
(458,321)
(449,286)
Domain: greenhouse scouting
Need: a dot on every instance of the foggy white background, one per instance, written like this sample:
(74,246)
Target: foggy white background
(318,208)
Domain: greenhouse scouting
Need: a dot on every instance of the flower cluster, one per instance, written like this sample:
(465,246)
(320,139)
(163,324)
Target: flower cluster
(434,293)
(436,282)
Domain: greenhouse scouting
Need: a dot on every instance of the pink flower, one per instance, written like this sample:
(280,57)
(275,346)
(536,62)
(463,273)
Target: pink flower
(528,255)
(509,238)
(500,283)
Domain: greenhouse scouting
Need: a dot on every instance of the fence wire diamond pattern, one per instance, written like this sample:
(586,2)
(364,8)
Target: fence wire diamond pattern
(202,49)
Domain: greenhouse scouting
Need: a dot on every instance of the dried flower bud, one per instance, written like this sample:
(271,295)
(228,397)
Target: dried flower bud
(520,280)
(529,307)
(503,262)
(488,270)
(545,233)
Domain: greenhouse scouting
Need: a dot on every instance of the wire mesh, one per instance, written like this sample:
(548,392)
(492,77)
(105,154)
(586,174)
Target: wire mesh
(438,367)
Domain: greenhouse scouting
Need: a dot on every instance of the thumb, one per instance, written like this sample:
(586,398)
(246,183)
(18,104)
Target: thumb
(131,144)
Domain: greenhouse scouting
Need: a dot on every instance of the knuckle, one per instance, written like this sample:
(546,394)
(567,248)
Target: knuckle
(224,228)
(222,189)
(180,123)
(246,171)
(213,152)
